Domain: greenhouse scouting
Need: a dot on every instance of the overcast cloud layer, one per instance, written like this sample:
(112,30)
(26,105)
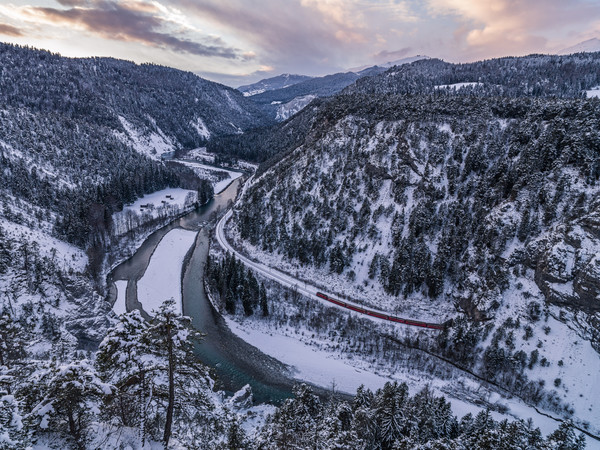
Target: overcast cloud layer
(240,41)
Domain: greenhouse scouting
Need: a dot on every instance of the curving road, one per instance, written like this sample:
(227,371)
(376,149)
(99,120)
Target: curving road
(309,290)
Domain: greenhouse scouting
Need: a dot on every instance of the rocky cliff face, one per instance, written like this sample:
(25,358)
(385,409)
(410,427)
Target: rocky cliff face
(567,269)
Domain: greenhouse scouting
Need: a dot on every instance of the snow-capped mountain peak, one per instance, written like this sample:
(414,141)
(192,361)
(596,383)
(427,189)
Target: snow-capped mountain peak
(387,65)
(591,45)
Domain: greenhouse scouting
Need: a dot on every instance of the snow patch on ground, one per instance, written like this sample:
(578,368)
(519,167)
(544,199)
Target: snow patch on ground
(120,306)
(253,92)
(316,367)
(167,202)
(290,108)
(162,279)
(457,86)
(594,92)
(201,128)
(200,154)
(160,198)
(205,171)
(152,144)
(65,255)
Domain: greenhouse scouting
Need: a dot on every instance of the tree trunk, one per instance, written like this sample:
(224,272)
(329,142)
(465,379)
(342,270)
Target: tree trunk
(75,431)
(142,409)
(171,404)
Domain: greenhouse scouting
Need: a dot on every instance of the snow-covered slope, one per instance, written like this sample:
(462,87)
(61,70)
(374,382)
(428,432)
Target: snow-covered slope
(290,108)
(591,45)
(464,207)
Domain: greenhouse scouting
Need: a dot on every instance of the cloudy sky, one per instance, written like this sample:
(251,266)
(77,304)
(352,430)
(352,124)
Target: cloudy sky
(241,41)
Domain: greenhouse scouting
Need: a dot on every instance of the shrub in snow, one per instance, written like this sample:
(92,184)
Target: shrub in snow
(13,434)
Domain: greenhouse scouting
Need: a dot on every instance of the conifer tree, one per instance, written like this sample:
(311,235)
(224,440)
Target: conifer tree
(70,398)
(14,435)
(170,337)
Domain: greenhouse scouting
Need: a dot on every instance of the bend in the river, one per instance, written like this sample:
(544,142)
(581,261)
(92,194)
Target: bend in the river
(236,362)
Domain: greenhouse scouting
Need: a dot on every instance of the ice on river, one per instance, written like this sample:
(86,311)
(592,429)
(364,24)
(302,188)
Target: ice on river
(162,279)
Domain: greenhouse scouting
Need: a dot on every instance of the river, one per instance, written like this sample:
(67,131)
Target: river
(235,362)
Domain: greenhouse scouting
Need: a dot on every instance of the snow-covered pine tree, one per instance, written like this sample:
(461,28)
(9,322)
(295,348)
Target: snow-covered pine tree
(71,395)
(122,359)
(13,434)
(170,338)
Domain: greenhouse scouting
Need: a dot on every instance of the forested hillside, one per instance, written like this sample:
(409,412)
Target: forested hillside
(79,138)
(531,76)
(477,204)
(144,103)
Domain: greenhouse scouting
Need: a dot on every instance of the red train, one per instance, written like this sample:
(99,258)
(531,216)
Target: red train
(414,323)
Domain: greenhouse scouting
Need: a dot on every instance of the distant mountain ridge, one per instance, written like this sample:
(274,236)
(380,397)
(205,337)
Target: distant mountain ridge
(319,86)
(387,65)
(283,102)
(268,84)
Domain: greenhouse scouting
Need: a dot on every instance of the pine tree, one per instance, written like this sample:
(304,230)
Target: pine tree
(295,423)
(12,340)
(14,435)
(155,371)
(564,438)
(122,360)
(70,397)
(170,336)
(374,266)
(364,416)
(390,403)
(236,438)
(263,300)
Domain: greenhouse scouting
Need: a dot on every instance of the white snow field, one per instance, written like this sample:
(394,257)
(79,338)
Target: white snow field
(158,199)
(594,92)
(152,144)
(165,203)
(327,369)
(120,307)
(162,279)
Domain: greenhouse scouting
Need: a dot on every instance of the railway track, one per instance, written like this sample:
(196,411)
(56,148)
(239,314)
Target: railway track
(309,290)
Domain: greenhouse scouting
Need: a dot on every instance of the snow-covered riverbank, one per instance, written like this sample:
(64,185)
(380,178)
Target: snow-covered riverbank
(205,171)
(314,361)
